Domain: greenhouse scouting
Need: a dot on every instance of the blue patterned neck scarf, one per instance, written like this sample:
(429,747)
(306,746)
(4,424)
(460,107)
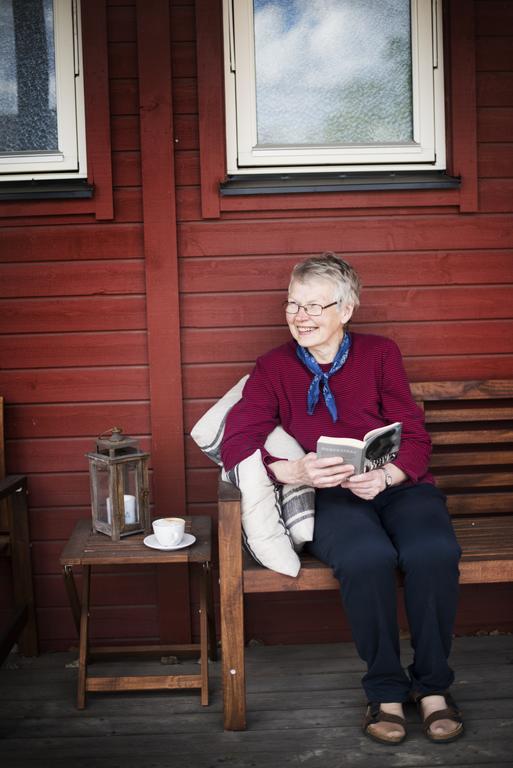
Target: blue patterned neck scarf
(311,363)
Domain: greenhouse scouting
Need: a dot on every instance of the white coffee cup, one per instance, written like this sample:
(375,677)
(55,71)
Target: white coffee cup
(129,502)
(169,530)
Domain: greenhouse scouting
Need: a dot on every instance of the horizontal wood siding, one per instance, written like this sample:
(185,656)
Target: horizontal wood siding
(74,361)
(438,281)
(73,306)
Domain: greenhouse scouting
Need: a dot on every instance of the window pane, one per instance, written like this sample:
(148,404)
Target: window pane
(333,72)
(28,112)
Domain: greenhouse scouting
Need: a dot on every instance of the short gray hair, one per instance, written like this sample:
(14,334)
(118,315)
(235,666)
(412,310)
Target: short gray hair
(329,266)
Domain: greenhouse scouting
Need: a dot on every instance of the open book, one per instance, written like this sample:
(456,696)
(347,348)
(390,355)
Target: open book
(378,447)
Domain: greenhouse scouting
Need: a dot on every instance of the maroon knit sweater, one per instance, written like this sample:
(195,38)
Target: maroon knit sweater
(370,390)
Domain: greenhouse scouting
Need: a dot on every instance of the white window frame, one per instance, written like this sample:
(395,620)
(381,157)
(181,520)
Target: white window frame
(70,159)
(427,152)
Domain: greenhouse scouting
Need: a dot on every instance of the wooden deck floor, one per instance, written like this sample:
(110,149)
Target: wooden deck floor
(305,707)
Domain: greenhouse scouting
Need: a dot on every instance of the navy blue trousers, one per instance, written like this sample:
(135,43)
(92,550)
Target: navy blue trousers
(364,542)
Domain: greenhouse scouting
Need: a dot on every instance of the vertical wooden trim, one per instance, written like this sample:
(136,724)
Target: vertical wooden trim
(209,53)
(162,296)
(97,105)
(160,250)
(463,101)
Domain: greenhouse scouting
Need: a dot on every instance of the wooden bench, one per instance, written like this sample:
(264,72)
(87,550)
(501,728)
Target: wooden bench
(471,426)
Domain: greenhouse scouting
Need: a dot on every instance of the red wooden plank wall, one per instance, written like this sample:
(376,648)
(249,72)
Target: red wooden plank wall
(74,362)
(438,281)
(73,331)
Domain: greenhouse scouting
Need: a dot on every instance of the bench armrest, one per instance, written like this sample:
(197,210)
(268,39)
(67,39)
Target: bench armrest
(228,491)
(230,527)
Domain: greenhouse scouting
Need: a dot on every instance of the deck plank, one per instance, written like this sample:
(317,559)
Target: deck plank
(305,705)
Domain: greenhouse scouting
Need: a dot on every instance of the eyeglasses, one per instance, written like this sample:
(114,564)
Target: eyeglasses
(314,310)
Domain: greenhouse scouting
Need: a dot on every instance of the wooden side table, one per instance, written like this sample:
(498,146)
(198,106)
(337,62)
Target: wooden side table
(86,548)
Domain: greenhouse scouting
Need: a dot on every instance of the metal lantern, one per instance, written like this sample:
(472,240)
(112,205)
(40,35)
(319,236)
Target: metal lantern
(119,485)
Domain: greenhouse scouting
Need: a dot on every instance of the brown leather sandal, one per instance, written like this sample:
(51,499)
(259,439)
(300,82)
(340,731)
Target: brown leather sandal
(374,714)
(451,712)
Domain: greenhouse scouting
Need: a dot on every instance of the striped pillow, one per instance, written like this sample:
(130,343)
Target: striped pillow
(282,514)
(297,501)
(208,432)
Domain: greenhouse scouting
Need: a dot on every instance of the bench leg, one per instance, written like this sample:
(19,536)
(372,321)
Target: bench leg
(232,623)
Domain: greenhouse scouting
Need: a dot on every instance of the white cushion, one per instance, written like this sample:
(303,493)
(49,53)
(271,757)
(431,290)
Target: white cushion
(265,535)
(275,518)
(208,431)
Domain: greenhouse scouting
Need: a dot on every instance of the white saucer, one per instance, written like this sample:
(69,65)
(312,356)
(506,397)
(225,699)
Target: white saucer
(151,541)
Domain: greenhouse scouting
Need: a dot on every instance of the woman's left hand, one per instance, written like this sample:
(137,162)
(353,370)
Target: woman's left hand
(367,485)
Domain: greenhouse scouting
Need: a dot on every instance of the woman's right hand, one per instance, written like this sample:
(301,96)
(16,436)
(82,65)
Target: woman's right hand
(318,473)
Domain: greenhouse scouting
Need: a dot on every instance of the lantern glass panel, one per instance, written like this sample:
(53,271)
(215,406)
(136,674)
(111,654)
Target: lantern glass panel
(131,493)
(102,480)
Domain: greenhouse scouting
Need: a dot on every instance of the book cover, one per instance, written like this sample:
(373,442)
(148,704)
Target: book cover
(378,447)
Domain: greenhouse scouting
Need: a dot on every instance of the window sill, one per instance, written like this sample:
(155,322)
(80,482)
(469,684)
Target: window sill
(58,189)
(301,183)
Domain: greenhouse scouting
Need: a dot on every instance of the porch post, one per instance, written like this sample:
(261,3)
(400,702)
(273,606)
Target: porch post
(162,296)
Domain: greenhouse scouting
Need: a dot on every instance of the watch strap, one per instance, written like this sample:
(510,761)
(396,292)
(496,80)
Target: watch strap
(388,477)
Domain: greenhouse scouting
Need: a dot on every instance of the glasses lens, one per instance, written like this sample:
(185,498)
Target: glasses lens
(291,308)
(314,310)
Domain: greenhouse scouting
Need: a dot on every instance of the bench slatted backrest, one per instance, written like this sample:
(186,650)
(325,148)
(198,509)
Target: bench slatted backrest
(471,427)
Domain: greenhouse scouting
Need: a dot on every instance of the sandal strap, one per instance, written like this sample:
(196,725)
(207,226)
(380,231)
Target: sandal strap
(450,712)
(441,714)
(417,698)
(376,715)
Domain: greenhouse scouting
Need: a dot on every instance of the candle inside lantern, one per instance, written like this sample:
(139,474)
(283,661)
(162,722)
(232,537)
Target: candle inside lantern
(129,502)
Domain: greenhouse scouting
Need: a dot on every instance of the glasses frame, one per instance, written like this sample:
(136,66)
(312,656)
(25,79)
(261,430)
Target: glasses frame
(303,306)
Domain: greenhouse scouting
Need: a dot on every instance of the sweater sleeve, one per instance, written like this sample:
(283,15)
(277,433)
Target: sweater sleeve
(398,405)
(251,420)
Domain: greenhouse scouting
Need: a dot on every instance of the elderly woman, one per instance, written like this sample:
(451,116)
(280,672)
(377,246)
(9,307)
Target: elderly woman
(327,381)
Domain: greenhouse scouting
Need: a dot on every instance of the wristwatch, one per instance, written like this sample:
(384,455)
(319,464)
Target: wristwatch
(388,477)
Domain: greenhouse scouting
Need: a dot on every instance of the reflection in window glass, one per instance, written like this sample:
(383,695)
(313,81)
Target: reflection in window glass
(28,104)
(8,95)
(333,72)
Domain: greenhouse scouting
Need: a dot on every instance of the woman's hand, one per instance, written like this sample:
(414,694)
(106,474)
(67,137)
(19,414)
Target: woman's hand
(319,473)
(367,485)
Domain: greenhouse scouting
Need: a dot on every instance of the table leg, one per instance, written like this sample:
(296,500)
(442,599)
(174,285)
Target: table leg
(212,640)
(84,635)
(204,633)
(71,590)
